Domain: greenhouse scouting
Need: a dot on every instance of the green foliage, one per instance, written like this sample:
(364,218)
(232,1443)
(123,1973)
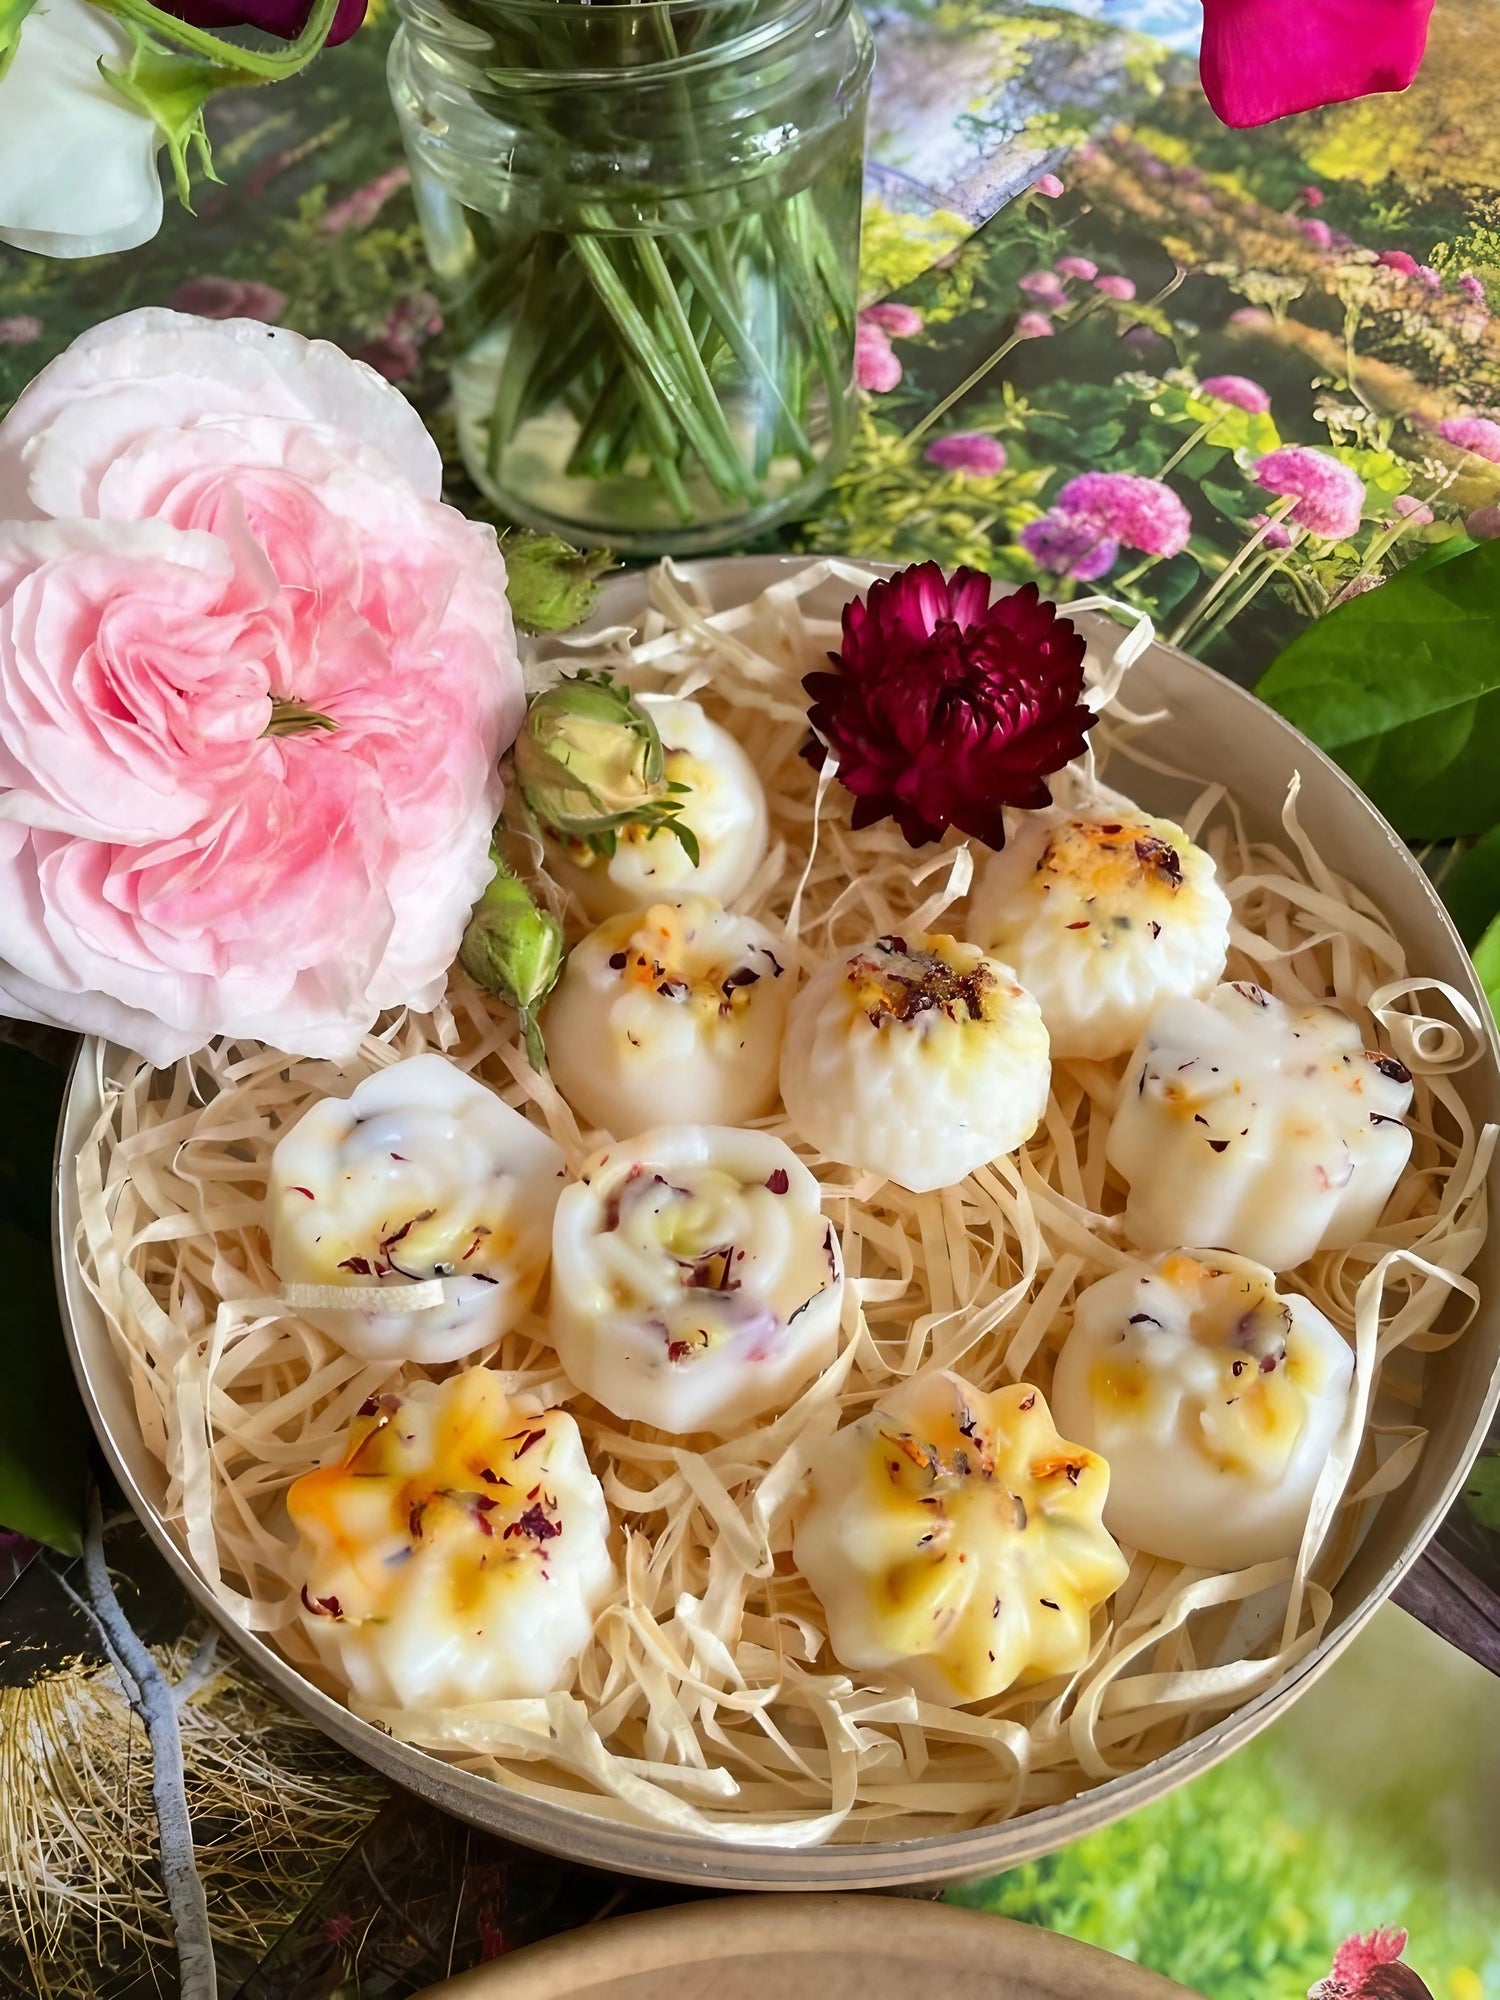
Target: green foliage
(1482,1489)
(895,247)
(1471,889)
(1403,687)
(1487,964)
(1209,1886)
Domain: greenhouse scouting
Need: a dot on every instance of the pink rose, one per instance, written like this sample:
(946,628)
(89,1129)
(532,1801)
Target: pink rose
(876,363)
(254,682)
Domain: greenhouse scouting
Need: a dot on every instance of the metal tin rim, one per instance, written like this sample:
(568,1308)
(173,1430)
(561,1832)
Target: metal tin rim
(576,1834)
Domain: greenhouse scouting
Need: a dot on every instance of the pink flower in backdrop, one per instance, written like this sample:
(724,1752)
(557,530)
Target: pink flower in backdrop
(1432,279)
(228,298)
(1114,287)
(1317,232)
(1473,289)
(1481,435)
(359,209)
(254,682)
(1142,513)
(1398,260)
(1484,523)
(20,330)
(894,318)
(1261,59)
(1313,196)
(1251,316)
(974,453)
(1239,390)
(1033,326)
(1275,537)
(1048,185)
(1044,289)
(1067,545)
(1330,495)
(1083,268)
(876,364)
(1409,508)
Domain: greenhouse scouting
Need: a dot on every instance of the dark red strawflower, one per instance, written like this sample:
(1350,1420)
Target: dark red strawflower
(945,707)
(284,18)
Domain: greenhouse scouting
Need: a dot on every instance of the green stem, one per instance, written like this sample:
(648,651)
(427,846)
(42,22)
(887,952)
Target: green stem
(258,65)
(1192,619)
(1194,439)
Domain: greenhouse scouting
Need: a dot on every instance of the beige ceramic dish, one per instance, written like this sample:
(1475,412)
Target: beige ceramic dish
(808,1948)
(1220,732)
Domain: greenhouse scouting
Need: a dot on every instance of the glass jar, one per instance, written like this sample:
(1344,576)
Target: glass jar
(644,223)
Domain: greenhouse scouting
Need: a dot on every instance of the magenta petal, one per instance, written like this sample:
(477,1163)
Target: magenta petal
(1262,59)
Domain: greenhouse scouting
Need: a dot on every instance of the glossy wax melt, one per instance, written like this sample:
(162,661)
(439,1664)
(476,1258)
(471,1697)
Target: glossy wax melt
(723,807)
(917,1057)
(1102,916)
(955,1540)
(1215,1398)
(667,1014)
(1254,1126)
(457,1553)
(420,1174)
(696,1281)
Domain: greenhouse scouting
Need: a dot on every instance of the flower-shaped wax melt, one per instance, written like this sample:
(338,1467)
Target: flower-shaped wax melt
(723,807)
(1102,916)
(1214,1397)
(421,1173)
(695,1279)
(954,1540)
(1250,1125)
(920,1058)
(459,1550)
(670,1014)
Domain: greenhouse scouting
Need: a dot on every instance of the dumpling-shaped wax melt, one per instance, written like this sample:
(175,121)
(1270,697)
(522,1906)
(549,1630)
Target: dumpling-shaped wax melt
(1214,1397)
(723,806)
(954,1540)
(919,1058)
(420,1173)
(1102,916)
(458,1552)
(695,1279)
(670,1014)
(1249,1125)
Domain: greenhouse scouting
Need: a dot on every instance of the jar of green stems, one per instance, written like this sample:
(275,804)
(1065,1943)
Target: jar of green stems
(644,221)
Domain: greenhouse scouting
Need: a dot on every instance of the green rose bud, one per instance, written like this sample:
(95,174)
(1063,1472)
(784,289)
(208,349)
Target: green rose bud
(514,949)
(589,761)
(551,586)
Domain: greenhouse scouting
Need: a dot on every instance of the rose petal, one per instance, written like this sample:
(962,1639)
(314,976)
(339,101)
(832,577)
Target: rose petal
(1262,59)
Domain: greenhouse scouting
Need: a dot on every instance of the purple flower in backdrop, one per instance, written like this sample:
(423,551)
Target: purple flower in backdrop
(1312,196)
(1239,390)
(1275,537)
(1317,233)
(1048,185)
(1398,260)
(893,318)
(1033,326)
(20,330)
(1044,289)
(1432,279)
(1484,523)
(1255,316)
(1067,545)
(1473,289)
(1141,339)
(1077,267)
(1114,287)
(1477,434)
(228,298)
(973,453)
(1330,495)
(359,209)
(285,18)
(1410,508)
(1142,513)
(875,363)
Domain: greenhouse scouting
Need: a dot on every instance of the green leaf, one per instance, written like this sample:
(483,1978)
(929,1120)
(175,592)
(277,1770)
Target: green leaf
(1384,474)
(43,1431)
(12,14)
(1482,1493)
(1402,686)
(1472,888)
(1487,965)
